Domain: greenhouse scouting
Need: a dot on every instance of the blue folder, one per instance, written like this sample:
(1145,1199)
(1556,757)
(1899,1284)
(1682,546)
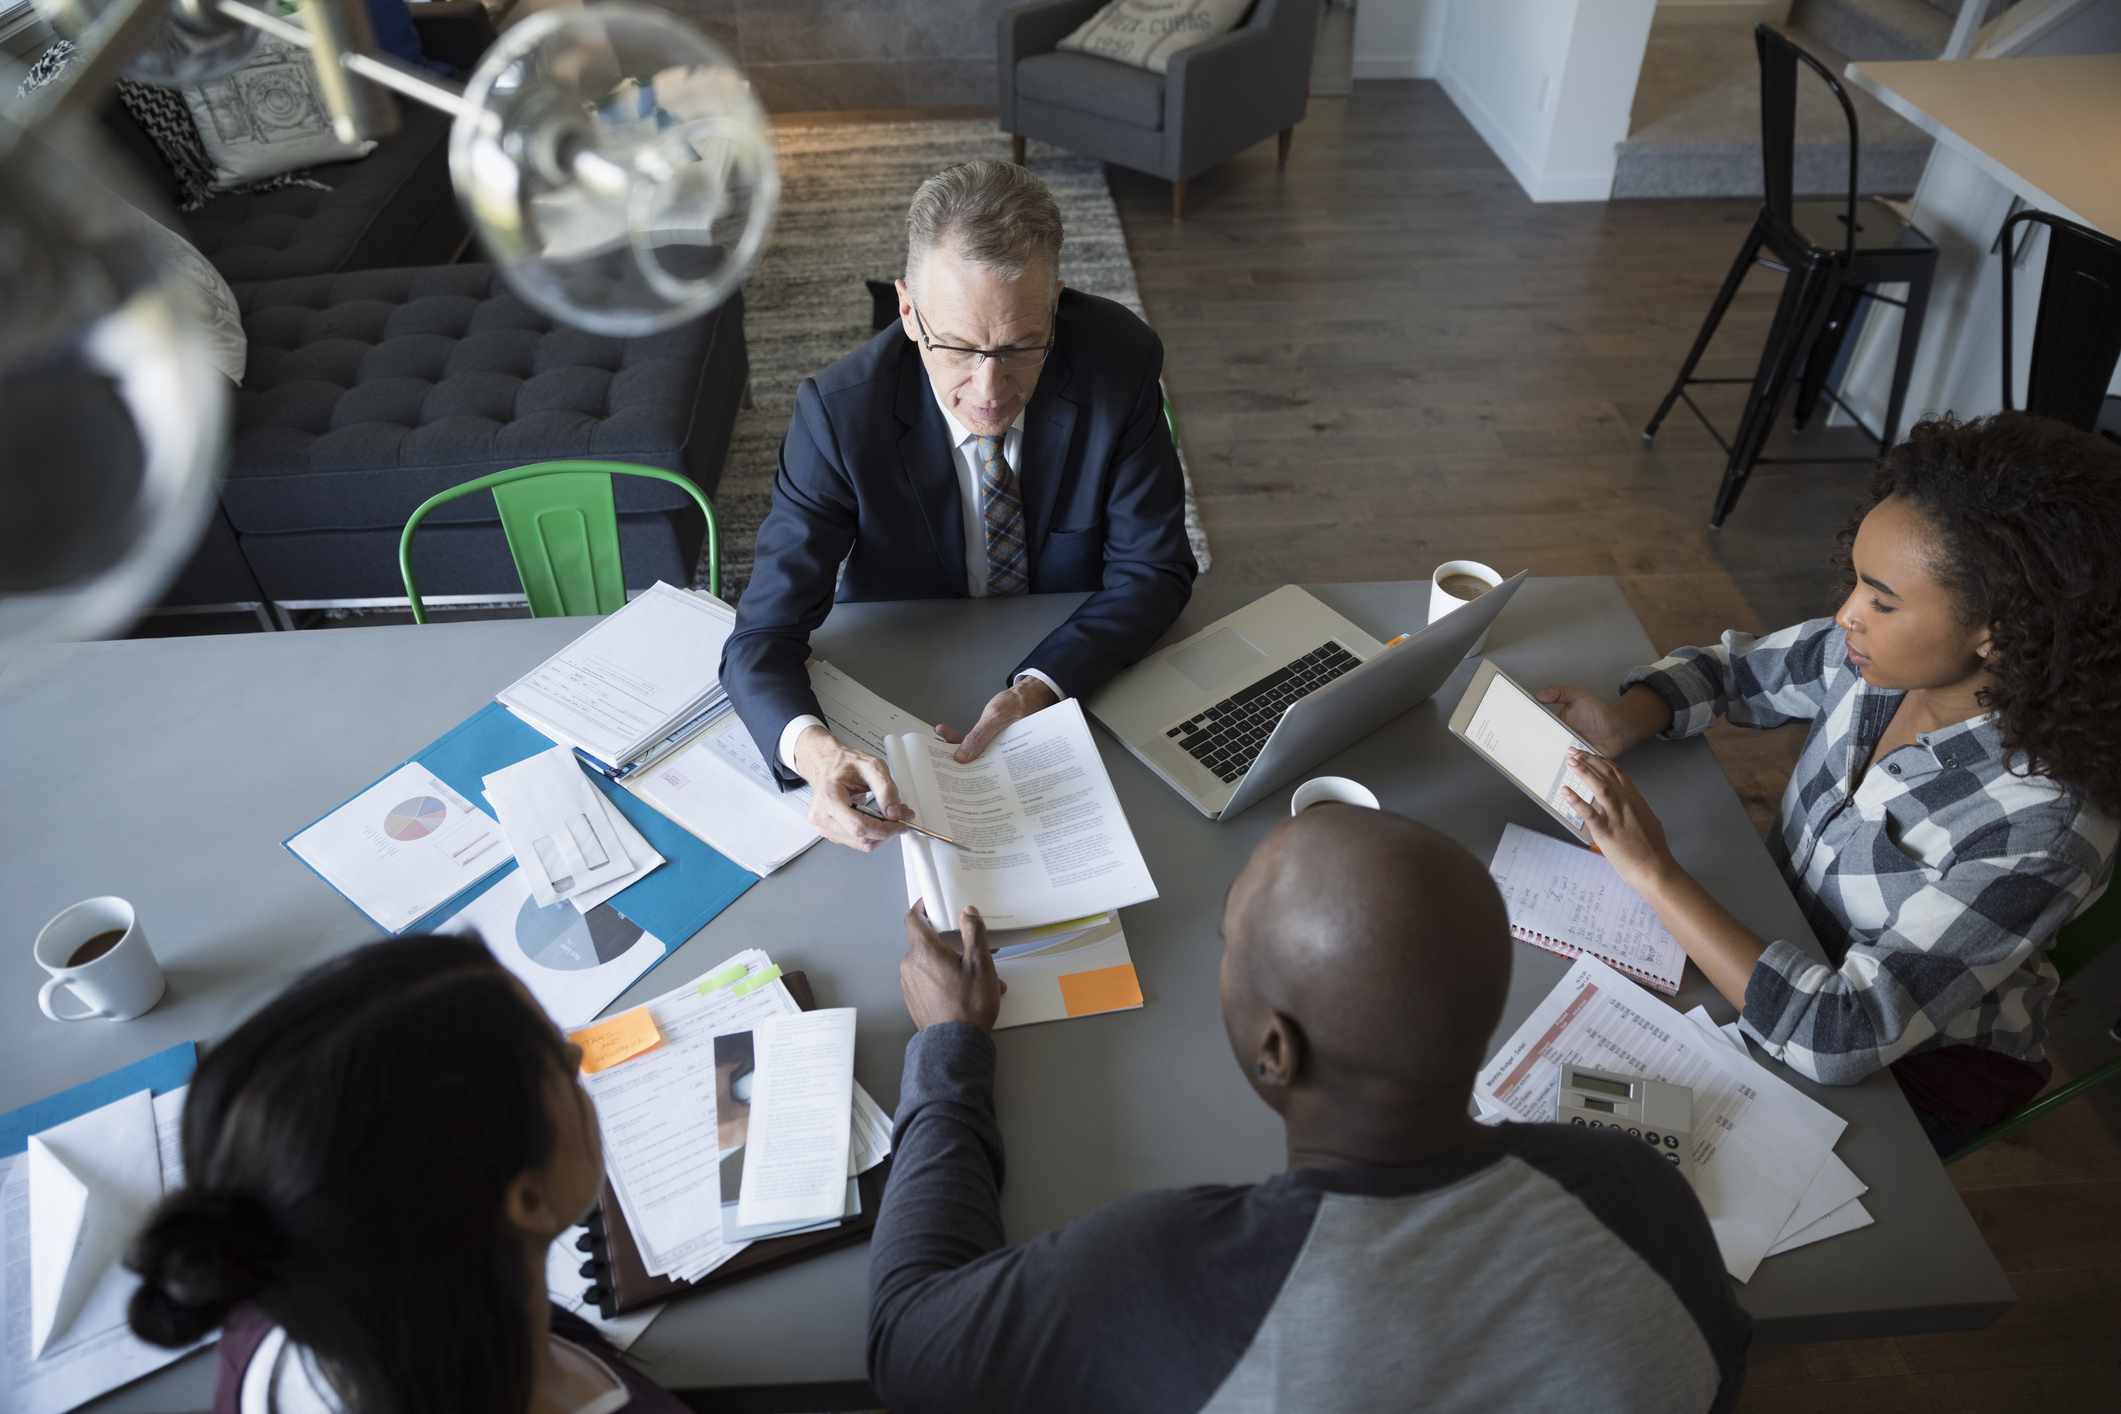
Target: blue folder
(695,883)
(159,1074)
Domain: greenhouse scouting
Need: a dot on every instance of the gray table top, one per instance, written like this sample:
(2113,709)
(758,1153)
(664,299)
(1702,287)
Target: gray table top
(169,771)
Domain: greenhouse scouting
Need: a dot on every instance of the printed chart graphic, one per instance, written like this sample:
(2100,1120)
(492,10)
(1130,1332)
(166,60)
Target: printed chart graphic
(564,939)
(415,818)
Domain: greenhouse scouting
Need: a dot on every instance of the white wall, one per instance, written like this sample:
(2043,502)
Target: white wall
(1398,39)
(1548,84)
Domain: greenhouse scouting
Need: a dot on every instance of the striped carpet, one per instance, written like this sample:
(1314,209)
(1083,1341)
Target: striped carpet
(844,189)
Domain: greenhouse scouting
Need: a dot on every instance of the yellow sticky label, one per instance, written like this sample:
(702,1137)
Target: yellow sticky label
(715,981)
(756,980)
(621,1038)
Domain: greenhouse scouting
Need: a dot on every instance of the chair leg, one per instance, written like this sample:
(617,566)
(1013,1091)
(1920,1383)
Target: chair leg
(1797,318)
(1281,148)
(1178,200)
(1819,358)
(1746,254)
(1016,148)
(1918,298)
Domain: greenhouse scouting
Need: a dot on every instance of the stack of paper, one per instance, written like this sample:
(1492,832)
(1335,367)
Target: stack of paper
(718,786)
(69,1206)
(403,848)
(570,842)
(1040,836)
(1764,1167)
(668,1123)
(635,688)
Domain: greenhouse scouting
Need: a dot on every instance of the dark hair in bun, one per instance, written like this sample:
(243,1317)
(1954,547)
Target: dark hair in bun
(348,1152)
(200,1256)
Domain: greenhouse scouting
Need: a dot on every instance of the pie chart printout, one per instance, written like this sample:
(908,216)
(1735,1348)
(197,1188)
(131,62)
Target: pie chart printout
(564,939)
(415,819)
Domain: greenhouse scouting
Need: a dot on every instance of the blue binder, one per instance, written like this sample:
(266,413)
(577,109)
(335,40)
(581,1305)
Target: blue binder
(159,1074)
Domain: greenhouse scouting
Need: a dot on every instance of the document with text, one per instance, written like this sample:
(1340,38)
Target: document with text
(1040,834)
(802,1107)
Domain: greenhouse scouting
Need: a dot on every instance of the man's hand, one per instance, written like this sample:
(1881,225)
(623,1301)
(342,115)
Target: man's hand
(1009,705)
(1625,829)
(839,776)
(942,983)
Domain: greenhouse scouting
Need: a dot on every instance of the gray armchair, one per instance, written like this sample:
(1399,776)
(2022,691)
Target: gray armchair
(1218,99)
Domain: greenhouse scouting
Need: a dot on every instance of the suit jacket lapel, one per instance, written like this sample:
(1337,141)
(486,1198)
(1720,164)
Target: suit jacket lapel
(930,466)
(1049,427)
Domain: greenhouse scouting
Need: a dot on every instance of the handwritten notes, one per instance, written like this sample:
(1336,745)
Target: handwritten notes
(620,1038)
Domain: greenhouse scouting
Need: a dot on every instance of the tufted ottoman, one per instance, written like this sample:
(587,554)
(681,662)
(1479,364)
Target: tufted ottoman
(369,391)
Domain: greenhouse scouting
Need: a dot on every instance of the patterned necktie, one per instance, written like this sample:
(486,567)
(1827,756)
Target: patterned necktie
(1002,509)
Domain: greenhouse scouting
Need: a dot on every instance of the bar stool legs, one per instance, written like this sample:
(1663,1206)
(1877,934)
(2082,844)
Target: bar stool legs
(1747,253)
(1798,318)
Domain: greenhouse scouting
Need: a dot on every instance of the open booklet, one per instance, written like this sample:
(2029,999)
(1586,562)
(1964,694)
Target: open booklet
(1043,838)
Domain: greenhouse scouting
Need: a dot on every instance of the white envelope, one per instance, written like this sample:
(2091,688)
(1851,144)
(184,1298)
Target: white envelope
(92,1183)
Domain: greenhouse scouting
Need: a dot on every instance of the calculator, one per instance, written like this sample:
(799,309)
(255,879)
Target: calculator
(1660,1115)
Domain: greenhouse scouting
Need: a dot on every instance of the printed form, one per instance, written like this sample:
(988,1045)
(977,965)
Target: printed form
(1758,1142)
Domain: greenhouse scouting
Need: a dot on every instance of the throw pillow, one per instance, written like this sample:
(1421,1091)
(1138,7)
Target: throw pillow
(1146,33)
(266,118)
(202,287)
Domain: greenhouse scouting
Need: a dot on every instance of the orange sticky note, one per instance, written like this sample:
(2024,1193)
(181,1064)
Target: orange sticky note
(1104,989)
(623,1037)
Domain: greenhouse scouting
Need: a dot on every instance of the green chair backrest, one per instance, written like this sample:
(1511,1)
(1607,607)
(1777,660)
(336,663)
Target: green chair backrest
(563,533)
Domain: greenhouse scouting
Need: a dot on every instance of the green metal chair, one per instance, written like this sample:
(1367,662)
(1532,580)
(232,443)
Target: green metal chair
(2082,939)
(563,532)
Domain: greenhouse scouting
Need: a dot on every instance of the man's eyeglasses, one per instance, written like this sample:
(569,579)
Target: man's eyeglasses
(1014,359)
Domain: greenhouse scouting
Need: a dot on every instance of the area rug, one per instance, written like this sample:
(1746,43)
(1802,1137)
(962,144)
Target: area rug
(844,190)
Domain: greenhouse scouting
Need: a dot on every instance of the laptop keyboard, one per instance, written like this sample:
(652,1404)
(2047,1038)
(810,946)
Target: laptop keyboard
(1227,737)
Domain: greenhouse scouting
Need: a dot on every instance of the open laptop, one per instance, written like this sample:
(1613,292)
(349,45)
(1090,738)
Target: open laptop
(1265,693)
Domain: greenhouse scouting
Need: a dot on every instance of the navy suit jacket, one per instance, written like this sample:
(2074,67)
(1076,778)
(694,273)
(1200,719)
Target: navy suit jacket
(868,477)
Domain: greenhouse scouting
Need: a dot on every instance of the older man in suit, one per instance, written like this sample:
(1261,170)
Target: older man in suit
(1005,437)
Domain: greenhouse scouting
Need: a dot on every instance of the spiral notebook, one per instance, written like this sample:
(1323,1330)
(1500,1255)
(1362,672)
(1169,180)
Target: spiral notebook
(1565,899)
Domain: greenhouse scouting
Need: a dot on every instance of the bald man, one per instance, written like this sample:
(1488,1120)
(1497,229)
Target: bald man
(1408,1258)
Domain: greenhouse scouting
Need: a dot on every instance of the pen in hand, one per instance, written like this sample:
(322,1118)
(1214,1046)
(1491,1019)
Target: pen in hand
(909,825)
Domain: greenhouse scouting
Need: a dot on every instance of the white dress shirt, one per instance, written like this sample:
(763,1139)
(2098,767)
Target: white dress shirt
(965,448)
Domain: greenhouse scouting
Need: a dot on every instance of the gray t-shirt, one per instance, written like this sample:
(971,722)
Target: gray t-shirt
(1551,1268)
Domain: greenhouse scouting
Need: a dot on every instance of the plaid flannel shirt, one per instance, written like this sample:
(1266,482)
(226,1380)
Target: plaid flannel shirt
(1936,886)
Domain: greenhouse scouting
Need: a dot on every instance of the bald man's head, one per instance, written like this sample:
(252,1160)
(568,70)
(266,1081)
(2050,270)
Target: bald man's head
(1365,962)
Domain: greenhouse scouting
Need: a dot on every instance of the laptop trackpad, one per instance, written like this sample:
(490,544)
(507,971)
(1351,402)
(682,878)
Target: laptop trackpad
(1214,661)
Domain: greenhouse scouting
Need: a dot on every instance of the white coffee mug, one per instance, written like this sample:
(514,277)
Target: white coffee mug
(1320,790)
(1442,601)
(119,983)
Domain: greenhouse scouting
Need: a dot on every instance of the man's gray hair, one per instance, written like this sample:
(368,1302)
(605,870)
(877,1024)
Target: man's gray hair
(992,213)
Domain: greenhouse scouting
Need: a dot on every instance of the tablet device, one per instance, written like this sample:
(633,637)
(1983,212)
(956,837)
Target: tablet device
(1517,736)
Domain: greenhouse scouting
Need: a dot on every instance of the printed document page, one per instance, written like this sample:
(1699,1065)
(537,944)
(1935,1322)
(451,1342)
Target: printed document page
(403,847)
(801,1107)
(718,786)
(1043,833)
(1758,1142)
(625,682)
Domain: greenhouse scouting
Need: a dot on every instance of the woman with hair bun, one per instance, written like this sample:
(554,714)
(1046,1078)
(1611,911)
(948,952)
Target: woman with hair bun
(375,1164)
(1957,797)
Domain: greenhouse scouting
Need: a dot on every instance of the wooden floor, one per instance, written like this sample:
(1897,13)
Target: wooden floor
(1387,356)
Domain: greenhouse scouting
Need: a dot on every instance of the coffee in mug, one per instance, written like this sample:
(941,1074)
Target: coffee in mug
(98,951)
(1463,586)
(95,947)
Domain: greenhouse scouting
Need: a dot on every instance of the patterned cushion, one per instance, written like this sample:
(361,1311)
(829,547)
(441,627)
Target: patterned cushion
(266,119)
(1146,33)
(370,391)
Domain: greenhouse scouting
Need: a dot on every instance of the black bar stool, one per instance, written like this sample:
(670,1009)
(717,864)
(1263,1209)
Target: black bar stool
(1833,254)
(2077,328)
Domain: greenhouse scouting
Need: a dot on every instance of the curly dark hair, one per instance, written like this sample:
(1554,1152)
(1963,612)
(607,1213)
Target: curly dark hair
(2026,518)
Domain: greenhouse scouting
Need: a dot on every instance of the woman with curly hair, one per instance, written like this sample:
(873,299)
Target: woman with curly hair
(1957,797)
